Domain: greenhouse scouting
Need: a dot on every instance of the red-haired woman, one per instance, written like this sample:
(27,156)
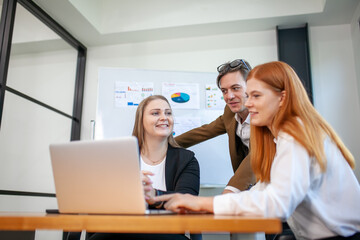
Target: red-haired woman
(303,169)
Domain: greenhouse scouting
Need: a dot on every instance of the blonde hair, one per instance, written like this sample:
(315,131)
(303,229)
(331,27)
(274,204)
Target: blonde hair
(310,131)
(138,130)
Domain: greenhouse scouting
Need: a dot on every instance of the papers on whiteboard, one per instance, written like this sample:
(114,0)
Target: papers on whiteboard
(182,95)
(179,95)
(184,124)
(129,94)
(214,97)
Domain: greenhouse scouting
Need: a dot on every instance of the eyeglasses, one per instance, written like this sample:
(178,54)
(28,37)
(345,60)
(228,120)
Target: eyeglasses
(233,64)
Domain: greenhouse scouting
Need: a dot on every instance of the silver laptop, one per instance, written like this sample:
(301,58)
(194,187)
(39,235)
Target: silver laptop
(98,177)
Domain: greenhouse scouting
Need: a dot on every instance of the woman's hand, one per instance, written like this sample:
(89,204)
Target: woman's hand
(149,191)
(182,203)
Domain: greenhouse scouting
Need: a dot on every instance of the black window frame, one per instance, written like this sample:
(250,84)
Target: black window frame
(6,33)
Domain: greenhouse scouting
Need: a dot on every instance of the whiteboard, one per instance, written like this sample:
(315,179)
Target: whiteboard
(112,121)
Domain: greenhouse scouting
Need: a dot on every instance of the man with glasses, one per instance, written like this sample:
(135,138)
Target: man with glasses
(235,121)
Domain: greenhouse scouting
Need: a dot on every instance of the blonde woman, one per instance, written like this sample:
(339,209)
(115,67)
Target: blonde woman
(167,167)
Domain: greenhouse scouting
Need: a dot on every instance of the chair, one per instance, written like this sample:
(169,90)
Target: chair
(286,234)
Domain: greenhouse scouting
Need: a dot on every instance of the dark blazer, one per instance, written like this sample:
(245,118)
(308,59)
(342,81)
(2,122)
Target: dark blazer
(226,123)
(182,172)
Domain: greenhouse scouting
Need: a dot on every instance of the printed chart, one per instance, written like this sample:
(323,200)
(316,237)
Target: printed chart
(214,97)
(128,94)
(182,95)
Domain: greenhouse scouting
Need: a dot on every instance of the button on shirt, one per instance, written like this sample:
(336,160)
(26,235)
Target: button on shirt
(243,129)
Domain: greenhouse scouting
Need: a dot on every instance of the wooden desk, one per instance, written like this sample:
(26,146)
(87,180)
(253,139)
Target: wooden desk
(193,223)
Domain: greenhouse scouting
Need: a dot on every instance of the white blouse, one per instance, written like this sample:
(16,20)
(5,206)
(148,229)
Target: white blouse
(158,170)
(315,204)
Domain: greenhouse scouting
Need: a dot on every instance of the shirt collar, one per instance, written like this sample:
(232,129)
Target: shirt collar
(247,120)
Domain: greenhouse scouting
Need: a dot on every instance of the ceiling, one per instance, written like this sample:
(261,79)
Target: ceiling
(102,22)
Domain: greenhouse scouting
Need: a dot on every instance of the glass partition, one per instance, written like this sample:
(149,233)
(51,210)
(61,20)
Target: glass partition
(41,83)
(26,132)
(42,65)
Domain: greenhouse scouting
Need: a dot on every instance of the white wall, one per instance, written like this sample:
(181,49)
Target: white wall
(336,91)
(355,35)
(200,54)
(335,85)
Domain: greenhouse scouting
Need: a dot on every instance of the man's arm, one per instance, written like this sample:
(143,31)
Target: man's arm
(201,134)
(244,177)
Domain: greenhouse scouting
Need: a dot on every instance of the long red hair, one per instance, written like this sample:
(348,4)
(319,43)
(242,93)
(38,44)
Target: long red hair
(310,131)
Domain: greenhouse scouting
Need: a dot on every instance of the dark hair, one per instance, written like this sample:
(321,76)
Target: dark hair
(138,130)
(226,68)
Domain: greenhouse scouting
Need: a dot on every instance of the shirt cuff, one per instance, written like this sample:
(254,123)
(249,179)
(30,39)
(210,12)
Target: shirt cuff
(233,189)
(222,205)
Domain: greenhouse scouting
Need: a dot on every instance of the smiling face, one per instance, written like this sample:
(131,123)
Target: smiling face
(157,119)
(233,88)
(263,102)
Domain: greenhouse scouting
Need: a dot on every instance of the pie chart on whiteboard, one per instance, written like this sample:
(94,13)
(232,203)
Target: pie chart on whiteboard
(180,97)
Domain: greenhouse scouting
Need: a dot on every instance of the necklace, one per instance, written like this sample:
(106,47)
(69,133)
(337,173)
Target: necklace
(151,162)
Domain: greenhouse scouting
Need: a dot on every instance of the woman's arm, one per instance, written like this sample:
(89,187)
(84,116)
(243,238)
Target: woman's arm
(185,176)
(289,184)
(182,203)
(182,173)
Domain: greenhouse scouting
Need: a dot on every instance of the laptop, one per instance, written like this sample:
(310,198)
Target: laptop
(99,177)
